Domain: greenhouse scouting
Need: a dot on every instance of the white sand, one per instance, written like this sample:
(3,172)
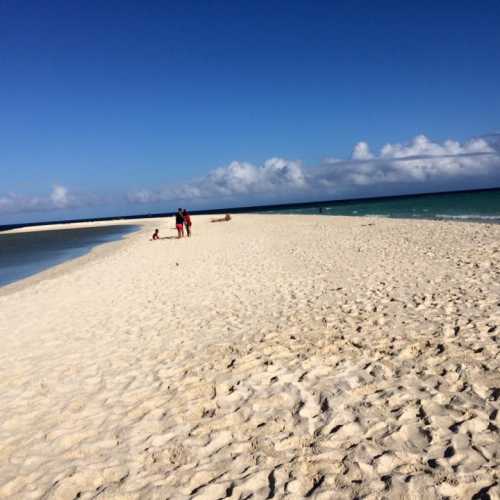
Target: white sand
(272,355)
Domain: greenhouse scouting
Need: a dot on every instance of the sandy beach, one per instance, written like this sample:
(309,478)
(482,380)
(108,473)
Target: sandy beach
(271,356)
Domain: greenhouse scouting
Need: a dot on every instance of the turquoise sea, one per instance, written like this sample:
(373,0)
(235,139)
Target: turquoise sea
(481,206)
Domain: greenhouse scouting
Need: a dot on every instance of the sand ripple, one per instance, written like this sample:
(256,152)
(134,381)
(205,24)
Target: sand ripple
(273,356)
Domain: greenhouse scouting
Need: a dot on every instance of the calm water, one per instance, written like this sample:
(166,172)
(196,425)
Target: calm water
(477,206)
(25,254)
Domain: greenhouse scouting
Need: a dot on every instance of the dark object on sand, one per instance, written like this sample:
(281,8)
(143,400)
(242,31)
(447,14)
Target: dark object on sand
(226,218)
(156,235)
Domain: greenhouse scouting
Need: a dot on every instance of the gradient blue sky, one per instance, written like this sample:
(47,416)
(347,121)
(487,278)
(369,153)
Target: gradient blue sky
(127,106)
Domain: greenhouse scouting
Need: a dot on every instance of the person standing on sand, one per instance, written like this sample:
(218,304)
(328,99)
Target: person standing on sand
(179,224)
(187,222)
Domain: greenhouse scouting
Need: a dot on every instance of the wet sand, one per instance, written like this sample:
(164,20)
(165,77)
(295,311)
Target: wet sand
(299,356)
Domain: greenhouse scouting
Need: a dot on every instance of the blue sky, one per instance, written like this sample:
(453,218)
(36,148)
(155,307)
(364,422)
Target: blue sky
(129,107)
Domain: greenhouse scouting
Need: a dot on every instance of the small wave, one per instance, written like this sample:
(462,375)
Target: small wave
(468,216)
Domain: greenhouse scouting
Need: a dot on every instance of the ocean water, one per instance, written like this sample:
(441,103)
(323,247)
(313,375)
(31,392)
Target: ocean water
(25,254)
(480,206)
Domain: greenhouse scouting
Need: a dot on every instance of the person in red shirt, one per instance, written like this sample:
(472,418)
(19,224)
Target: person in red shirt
(187,222)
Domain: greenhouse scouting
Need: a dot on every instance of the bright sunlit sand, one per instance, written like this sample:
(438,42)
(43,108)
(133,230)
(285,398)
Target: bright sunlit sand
(283,355)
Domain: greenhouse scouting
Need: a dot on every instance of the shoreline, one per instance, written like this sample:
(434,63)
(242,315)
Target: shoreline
(103,249)
(52,272)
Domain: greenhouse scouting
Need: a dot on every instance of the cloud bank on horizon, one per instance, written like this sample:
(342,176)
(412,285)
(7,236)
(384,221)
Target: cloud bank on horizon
(420,165)
(58,198)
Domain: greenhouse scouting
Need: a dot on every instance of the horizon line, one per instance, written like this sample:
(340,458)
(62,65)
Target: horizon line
(243,209)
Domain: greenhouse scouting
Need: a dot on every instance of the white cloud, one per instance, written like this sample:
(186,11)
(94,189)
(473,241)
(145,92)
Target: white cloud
(57,199)
(236,179)
(421,163)
(362,151)
(12,203)
(418,162)
(60,197)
